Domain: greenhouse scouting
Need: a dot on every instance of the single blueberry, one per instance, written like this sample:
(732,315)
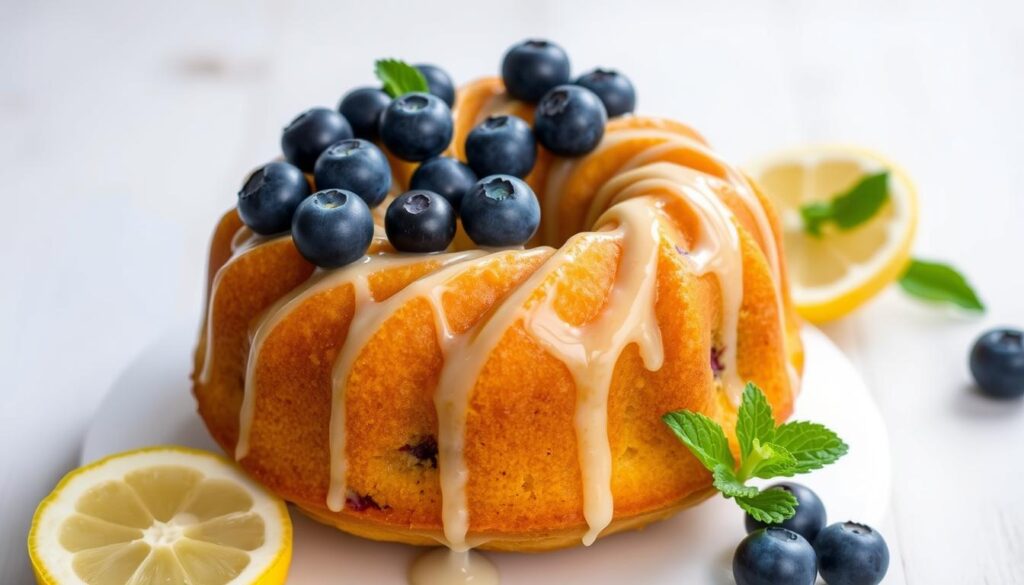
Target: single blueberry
(362,108)
(332,228)
(269,197)
(533,67)
(354,165)
(499,211)
(416,126)
(446,176)
(420,221)
(570,120)
(310,134)
(613,89)
(439,82)
(851,554)
(774,556)
(501,145)
(997,363)
(810,515)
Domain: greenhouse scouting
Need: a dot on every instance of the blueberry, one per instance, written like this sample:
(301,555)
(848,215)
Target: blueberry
(332,228)
(500,210)
(613,89)
(851,554)
(570,120)
(997,363)
(531,68)
(810,512)
(774,556)
(362,108)
(269,197)
(423,449)
(501,145)
(439,82)
(310,134)
(416,126)
(420,221)
(355,165)
(445,176)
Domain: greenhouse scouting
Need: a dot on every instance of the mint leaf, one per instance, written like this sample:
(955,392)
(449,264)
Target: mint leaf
(399,78)
(935,281)
(773,461)
(861,202)
(815,215)
(754,420)
(702,436)
(725,481)
(811,445)
(850,208)
(771,506)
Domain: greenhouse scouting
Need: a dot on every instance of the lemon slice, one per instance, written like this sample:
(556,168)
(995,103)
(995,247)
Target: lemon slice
(160,515)
(835,273)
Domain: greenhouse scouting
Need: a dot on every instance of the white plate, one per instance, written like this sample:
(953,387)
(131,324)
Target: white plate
(151,404)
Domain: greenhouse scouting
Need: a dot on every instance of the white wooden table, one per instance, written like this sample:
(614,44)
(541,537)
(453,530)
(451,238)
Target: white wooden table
(126,126)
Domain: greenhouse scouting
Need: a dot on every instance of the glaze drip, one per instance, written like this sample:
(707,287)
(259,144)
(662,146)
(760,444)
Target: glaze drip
(591,351)
(445,567)
(716,250)
(367,319)
(665,145)
(357,275)
(245,241)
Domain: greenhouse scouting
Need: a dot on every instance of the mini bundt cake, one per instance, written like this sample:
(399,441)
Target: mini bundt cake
(507,399)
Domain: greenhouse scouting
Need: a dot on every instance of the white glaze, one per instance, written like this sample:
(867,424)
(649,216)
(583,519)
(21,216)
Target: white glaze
(356,274)
(562,169)
(716,250)
(591,351)
(242,243)
(459,374)
(369,316)
(442,566)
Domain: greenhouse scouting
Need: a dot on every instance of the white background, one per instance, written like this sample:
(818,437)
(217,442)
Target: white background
(126,127)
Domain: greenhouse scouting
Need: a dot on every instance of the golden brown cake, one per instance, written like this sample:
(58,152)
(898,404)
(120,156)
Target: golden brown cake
(507,399)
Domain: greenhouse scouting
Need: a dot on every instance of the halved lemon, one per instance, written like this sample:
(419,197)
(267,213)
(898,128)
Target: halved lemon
(834,273)
(160,515)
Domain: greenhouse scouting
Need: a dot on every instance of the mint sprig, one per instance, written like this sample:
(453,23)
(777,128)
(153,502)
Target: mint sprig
(766,451)
(850,208)
(399,78)
(938,282)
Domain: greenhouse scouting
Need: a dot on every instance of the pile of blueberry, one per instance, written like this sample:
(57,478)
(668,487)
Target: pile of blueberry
(342,150)
(845,553)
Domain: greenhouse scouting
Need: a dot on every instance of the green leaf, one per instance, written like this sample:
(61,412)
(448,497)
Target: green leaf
(771,506)
(767,452)
(399,78)
(861,202)
(815,215)
(773,461)
(811,445)
(754,420)
(935,281)
(850,208)
(702,436)
(725,481)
